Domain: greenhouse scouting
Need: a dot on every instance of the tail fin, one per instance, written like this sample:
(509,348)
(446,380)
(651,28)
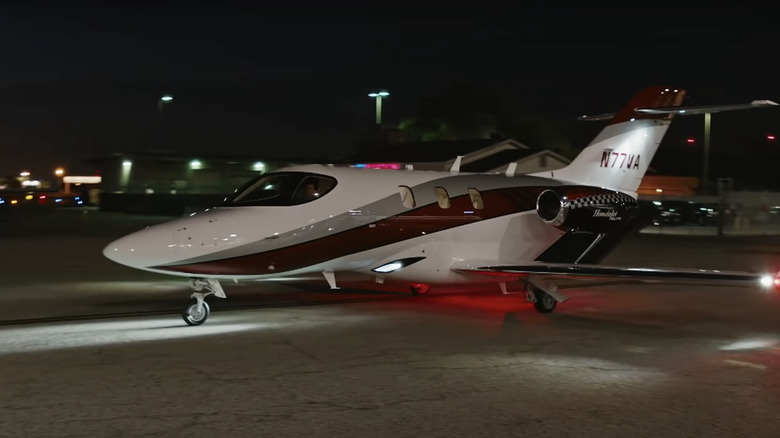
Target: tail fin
(620,154)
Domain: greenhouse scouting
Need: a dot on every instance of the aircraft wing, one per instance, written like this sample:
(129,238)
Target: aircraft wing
(580,271)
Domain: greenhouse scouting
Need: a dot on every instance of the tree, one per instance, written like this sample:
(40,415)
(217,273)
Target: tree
(462,111)
(470,111)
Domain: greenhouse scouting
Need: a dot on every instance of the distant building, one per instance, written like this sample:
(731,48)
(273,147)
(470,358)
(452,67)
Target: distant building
(661,185)
(161,182)
(480,155)
(167,172)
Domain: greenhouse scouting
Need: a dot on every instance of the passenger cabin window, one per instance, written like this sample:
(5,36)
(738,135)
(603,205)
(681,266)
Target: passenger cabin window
(407,197)
(281,189)
(442,197)
(476,199)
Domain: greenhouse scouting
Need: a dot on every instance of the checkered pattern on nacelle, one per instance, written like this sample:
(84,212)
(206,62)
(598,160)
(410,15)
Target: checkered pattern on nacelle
(615,199)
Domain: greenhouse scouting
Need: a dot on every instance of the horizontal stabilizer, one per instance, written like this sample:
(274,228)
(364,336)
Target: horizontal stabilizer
(685,110)
(703,109)
(597,118)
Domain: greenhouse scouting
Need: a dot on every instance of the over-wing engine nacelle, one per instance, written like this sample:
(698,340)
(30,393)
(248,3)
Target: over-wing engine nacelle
(585,208)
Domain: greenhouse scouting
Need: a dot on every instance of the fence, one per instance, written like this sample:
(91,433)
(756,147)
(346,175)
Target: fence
(732,213)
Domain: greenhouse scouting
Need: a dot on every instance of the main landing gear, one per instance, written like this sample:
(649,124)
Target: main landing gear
(543,302)
(197,310)
(543,294)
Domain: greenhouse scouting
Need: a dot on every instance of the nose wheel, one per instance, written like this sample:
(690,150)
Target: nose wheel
(197,311)
(194,313)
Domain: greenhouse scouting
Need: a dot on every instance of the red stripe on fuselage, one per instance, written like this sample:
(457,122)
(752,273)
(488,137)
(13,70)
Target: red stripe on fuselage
(413,223)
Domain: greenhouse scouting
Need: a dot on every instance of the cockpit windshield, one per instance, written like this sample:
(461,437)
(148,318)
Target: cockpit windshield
(281,189)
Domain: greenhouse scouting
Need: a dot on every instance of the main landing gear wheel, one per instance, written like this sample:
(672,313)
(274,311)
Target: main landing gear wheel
(193,316)
(543,301)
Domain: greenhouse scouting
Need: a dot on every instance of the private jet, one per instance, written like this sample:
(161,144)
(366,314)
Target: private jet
(412,230)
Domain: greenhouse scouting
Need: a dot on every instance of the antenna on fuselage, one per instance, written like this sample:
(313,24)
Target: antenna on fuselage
(510,170)
(456,165)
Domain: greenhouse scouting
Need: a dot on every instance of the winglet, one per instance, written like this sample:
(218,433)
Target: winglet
(456,165)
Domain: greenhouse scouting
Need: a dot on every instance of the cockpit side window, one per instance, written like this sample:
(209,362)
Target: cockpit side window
(312,187)
(281,189)
(265,190)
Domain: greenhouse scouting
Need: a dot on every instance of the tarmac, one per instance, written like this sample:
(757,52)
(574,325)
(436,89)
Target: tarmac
(89,348)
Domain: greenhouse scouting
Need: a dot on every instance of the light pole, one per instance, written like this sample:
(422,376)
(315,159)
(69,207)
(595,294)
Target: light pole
(60,173)
(378,96)
(166,98)
(706,165)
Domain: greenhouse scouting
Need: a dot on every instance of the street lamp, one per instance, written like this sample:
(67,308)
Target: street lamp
(706,166)
(378,96)
(166,98)
(60,172)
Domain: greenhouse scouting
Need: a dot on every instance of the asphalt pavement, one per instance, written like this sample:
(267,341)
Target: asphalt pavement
(89,348)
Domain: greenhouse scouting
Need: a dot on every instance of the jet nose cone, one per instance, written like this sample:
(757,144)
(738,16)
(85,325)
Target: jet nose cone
(151,246)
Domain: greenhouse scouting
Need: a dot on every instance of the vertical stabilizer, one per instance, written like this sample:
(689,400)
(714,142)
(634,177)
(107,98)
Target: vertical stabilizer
(620,154)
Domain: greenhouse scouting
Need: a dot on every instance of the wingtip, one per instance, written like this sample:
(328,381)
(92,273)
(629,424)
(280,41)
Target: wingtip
(763,103)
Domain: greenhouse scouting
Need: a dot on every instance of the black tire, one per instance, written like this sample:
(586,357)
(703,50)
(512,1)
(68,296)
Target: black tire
(544,303)
(189,315)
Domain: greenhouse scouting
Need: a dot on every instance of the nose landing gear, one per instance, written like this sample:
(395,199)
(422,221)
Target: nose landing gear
(197,311)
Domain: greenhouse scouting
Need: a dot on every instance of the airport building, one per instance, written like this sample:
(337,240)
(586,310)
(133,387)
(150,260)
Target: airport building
(172,183)
(162,182)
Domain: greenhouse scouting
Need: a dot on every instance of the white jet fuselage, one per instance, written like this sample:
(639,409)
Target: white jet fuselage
(359,225)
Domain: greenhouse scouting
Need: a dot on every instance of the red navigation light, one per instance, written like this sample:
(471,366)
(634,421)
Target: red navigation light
(770,137)
(690,140)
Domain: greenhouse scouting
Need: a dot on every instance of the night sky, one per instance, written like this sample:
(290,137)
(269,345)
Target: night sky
(80,80)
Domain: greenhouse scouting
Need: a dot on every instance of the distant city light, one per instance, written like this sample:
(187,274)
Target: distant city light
(258,166)
(166,98)
(77,179)
(196,164)
(59,171)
